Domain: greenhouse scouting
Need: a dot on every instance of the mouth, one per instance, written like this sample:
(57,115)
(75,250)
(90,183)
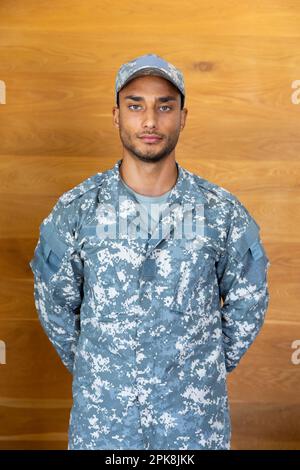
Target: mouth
(151,138)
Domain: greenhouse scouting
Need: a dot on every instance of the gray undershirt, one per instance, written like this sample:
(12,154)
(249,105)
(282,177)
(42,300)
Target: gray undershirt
(149,205)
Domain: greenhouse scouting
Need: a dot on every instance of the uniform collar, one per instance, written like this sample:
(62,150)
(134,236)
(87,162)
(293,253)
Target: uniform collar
(114,193)
(117,188)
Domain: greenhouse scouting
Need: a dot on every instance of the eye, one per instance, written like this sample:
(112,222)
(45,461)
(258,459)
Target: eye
(163,106)
(132,105)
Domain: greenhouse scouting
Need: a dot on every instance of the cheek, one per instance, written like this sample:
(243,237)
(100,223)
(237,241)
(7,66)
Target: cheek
(172,131)
(170,124)
(127,128)
(130,125)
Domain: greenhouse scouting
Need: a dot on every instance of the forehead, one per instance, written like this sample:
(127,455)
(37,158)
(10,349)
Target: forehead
(149,85)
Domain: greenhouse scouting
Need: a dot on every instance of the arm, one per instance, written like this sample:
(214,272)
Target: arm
(242,276)
(57,270)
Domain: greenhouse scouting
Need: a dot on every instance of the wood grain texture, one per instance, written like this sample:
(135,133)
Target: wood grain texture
(239,60)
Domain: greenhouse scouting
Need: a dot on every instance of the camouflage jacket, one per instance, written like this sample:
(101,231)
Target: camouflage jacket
(149,328)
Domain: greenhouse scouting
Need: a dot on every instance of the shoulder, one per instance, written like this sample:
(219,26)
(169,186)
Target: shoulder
(240,227)
(76,202)
(219,200)
(72,206)
(212,190)
(89,184)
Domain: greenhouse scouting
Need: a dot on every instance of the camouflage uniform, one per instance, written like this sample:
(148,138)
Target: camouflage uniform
(149,328)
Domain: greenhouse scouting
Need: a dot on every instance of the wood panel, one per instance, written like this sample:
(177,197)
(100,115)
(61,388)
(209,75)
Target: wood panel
(232,18)
(265,426)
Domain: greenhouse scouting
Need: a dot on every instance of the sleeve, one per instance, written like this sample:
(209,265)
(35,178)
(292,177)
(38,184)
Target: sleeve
(58,280)
(243,286)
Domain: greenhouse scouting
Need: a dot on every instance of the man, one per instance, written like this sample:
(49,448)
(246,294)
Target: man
(151,283)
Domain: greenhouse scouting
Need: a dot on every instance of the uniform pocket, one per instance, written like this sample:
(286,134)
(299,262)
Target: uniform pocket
(194,276)
(253,256)
(103,288)
(255,264)
(48,254)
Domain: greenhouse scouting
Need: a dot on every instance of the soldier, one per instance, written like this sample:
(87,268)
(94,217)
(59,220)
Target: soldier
(151,283)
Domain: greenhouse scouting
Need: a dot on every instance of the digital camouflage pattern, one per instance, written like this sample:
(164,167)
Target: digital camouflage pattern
(149,328)
(149,64)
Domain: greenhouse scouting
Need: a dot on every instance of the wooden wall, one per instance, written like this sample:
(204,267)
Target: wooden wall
(58,61)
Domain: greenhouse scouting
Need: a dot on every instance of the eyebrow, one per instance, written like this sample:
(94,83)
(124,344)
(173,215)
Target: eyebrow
(161,99)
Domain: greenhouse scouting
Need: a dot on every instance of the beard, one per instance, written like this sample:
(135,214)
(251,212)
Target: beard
(150,154)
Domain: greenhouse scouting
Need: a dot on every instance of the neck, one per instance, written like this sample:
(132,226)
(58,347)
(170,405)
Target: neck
(149,179)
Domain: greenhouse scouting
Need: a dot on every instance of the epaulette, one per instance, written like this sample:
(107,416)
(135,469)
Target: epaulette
(216,189)
(88,184)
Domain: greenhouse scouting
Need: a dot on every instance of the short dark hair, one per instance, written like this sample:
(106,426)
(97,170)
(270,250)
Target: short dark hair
(181,100)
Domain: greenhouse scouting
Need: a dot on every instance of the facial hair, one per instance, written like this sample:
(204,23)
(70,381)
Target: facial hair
(150,154)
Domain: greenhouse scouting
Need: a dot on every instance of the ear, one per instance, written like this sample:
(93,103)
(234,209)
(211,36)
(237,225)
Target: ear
(115,111)
(184,112)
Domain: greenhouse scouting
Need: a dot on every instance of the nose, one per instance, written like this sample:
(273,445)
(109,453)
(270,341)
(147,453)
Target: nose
(149,119)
